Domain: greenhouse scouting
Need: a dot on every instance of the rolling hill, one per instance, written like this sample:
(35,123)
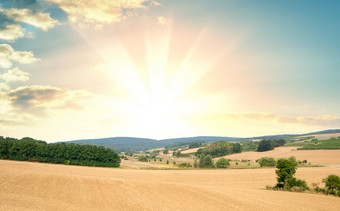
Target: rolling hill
(123,144)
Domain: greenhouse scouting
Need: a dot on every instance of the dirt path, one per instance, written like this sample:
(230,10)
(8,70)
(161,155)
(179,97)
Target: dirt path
(36,186)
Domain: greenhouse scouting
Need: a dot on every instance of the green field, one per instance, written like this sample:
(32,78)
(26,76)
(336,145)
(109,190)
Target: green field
(315,144)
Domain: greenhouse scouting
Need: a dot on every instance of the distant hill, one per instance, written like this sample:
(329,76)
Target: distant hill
(122,144)
(324,132)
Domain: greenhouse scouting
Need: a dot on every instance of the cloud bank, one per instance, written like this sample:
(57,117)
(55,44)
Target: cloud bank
(99,12)
(269,117)
(10,20)
(8,56)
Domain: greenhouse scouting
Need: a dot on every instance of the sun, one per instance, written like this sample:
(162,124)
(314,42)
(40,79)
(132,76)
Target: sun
(152,87)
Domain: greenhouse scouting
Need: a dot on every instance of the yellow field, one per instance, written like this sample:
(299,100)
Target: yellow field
(36,186)
(324,157)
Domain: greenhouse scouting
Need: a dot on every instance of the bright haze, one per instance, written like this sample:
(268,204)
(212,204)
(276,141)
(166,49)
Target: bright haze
(168,68)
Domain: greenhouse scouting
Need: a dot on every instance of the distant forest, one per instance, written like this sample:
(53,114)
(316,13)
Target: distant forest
(28,149)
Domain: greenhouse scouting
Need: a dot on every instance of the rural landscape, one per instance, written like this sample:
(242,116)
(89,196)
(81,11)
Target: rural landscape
(195,173)
(169,105)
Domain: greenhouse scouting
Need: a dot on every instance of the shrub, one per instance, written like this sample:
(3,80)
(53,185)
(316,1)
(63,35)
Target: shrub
(267,161)
(143,158)
(222,163)
(332,182)
(300,185)
(184,165)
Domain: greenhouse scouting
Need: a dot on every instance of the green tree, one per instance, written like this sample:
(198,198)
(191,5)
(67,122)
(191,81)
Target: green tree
(267,161)
(293,160)
(222,163)
(195,163)
(332,182)
(195,145)
(237,148)
(208,162)
(285,172)
(166,151)
(201,161)
(265,145)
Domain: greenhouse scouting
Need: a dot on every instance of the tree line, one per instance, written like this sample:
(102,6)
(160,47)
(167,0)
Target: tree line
(29,149)
(220,148)
(267,144)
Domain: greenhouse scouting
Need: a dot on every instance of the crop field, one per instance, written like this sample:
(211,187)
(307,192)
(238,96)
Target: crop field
(37,186)
(322,157)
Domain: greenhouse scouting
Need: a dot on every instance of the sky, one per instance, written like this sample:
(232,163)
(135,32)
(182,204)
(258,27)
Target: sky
(168,68)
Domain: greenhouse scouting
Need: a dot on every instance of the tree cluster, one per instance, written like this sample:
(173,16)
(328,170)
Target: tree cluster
(179,154)
(220,148)
(195,145)
(266,144)
(267,162)
(28,149)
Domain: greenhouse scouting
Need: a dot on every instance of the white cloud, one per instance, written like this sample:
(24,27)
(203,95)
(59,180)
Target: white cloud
(163,21)
(100,12)
(12,32)
(40,99)
(3,87)
(269,117)
(39,19)
(14,75)
(8,55)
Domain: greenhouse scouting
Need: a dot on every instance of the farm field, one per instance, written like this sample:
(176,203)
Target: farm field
(322,157)
(38,186)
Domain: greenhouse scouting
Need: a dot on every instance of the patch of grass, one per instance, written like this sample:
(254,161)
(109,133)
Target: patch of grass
(332,143)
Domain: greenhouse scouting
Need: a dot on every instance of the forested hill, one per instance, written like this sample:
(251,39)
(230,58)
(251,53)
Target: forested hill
(122,144)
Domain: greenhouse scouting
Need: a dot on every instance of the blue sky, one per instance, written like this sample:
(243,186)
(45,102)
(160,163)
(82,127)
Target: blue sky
(168,68)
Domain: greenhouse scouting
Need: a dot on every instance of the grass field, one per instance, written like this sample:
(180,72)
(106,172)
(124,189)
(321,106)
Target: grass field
(37,186)
(315,144)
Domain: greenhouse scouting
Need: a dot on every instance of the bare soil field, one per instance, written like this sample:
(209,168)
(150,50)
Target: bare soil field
(37,186)
(191,150)
(323,157)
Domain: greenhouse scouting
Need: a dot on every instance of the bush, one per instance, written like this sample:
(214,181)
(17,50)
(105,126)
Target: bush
(267,161)
(332,182)
(143,158)
(184,165)
(222,163)
(300,185)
